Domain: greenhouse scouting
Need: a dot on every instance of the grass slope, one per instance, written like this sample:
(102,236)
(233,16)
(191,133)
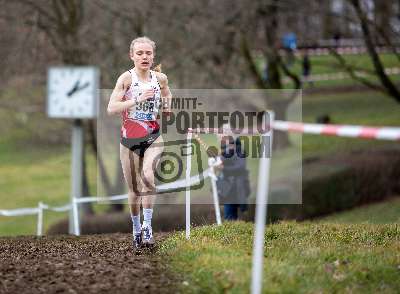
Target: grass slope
(29,174)
(377,213)
(363,108)
(327,64)
(299,258)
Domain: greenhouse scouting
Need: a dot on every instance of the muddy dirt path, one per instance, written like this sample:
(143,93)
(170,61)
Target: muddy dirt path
(87,264)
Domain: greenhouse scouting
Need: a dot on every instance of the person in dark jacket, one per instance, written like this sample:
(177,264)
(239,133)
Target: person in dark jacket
(235,176)
(306,65)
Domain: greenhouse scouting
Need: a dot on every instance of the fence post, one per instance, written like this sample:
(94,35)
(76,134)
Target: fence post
(40,219)
(75,213)
(188,169)
(215,192)
(261,208)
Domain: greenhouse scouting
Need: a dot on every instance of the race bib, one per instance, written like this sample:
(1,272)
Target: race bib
(145,110)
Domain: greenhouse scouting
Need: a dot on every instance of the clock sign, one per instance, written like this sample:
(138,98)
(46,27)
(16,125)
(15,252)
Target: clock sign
(72,92)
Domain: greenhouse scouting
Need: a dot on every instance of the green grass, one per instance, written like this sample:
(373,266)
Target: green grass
(355,108)
(377,213)
(30,174)
(327,64)
(298,258)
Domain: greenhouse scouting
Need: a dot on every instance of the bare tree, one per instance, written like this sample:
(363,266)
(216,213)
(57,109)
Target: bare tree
(374,34)
(62,22)
(265,17)
(216,41)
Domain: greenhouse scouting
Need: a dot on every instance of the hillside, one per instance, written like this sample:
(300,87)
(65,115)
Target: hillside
(377,213)
(299,258)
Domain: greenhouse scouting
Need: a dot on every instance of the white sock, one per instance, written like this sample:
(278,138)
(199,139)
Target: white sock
(147,215)
(136,224)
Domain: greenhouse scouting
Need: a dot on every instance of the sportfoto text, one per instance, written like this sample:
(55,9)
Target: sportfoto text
(237,120)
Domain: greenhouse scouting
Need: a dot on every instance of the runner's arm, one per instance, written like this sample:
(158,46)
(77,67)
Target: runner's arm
(116,105)
(165,92)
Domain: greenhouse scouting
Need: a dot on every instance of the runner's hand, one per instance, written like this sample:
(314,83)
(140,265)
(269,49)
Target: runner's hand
(219,166)
(145,95)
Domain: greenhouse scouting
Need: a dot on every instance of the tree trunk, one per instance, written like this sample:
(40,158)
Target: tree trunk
(280,139)
(386,82)
(383,15)
(271,53)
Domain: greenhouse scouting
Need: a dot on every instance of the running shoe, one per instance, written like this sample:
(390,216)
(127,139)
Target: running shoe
(137,241)
(148,239)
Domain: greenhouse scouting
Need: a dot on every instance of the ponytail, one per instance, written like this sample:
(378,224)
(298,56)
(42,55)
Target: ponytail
(157,68)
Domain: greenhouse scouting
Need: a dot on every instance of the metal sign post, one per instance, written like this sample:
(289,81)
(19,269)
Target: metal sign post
(76,169)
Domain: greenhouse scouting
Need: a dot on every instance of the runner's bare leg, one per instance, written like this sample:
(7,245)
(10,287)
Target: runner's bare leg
(130,168)
(150,161)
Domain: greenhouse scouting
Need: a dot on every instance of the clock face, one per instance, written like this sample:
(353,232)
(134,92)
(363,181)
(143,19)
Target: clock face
(72,92)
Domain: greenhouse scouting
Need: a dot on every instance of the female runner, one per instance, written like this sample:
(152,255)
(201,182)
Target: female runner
(138,96)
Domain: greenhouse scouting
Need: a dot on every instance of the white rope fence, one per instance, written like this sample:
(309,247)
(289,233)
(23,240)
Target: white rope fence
(35,211)
(39,210)
(184,183)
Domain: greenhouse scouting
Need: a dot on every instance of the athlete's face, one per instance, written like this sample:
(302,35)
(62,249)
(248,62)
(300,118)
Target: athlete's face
(143,56)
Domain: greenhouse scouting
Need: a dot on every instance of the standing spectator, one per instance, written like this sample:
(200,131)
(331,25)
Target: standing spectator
(336,37)
(306,68)
(233,180)
(265,72)
(289,42)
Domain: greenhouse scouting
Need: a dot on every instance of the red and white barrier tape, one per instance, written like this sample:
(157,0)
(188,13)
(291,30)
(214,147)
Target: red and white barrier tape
(379,133)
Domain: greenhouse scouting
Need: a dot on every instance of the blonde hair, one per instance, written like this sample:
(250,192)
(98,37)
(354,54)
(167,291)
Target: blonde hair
(147,40)
(142,40)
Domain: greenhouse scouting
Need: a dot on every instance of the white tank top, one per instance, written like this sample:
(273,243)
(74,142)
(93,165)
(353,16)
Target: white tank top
(145,110)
